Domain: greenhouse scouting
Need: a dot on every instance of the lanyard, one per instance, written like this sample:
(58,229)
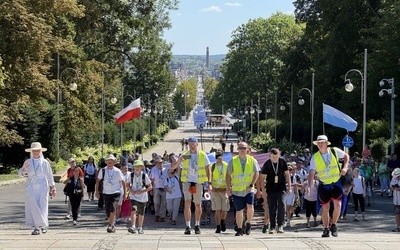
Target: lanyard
(243,164)
(277,167)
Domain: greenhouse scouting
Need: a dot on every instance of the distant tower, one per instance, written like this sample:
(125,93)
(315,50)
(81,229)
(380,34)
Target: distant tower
(207,58)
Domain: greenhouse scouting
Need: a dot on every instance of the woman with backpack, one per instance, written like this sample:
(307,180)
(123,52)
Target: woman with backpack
(90,177)
(359,193)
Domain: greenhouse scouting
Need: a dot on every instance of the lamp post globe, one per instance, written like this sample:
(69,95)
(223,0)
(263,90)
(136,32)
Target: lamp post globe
(349,87)
(301,101)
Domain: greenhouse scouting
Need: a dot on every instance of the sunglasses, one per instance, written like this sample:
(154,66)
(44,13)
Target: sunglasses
(242,148)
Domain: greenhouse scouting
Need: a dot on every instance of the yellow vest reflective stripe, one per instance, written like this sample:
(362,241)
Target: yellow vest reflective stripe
(201,160)
(218,179)
(242,179)
(327,174)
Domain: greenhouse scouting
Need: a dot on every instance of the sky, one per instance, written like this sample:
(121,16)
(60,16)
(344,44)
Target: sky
(198,24)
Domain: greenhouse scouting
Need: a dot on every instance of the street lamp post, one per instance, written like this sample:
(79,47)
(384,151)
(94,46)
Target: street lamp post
(269,110)
(301,102)
(392,96)
(349,87)
(258,110)
(185,95)
(282,107)
(72,86)
(103,107)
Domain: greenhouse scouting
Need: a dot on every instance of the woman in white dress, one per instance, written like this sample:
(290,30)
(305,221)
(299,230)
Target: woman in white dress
(38,186)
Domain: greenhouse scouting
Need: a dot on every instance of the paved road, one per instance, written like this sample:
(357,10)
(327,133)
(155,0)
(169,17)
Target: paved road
(90,233)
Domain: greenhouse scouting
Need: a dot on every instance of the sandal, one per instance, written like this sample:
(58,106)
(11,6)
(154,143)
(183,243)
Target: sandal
(396,229)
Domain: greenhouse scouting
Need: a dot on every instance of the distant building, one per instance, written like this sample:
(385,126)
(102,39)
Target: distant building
(207,58)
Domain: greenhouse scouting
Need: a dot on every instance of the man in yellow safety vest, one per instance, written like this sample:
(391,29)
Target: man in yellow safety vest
(195,171)
(325,162)
(242,174)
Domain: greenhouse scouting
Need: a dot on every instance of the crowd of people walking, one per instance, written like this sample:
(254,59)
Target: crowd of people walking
(285,186)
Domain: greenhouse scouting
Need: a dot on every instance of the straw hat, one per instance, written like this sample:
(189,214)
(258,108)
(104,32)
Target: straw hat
(322,138)
(36,146)
(396,172)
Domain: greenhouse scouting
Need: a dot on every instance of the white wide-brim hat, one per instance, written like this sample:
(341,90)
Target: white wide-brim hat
(396,172)
(111,157)
(36,146)
(322,138)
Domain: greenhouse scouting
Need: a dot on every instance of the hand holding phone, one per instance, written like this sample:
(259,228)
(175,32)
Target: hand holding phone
(186,157)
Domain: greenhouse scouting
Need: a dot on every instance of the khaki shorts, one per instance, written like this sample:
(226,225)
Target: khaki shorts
(220,201)
(196,196)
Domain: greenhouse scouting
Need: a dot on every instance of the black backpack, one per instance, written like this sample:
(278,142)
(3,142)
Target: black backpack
(143,179)
(346,180)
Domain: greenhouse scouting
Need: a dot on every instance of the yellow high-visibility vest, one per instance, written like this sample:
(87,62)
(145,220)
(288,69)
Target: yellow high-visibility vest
(218,178)
(327,174)
(242,179)
(201,160)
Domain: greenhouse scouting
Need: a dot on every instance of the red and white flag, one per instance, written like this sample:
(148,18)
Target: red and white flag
(129,113)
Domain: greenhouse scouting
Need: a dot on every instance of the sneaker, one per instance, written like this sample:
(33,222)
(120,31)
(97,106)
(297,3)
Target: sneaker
(308,225)
(173,222)
(208,221)
(140,231)
(218,231)
(79,215)
(248,228)
(74,222)
(223,226)
(315,224)
(334,230)
(203,222)
(197,230)
(187,230)
(280,230)
(265,229)
(132,230)
(111,229)
(325,233)
(35,231)
(355,219)
(68,216)
(239,232)
(44,230)
(288,223)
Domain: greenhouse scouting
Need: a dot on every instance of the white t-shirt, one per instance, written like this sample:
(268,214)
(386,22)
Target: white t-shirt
(90,169)
(358,185)
(112,180)
(173,184)
(193,169)
(137,185)
(158,176)
(327,157)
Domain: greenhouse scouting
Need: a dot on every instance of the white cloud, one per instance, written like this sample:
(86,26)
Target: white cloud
(233,4)
(212,8)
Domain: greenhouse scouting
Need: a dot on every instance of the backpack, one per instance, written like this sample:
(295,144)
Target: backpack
(143,179)
(103,171)
(346,180)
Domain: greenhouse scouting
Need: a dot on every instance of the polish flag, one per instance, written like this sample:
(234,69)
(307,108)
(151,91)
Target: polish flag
(129,113)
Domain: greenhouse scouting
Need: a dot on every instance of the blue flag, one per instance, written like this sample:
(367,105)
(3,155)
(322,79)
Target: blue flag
(338,119)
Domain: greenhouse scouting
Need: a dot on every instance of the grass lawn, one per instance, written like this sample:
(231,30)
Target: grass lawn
(6,177)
